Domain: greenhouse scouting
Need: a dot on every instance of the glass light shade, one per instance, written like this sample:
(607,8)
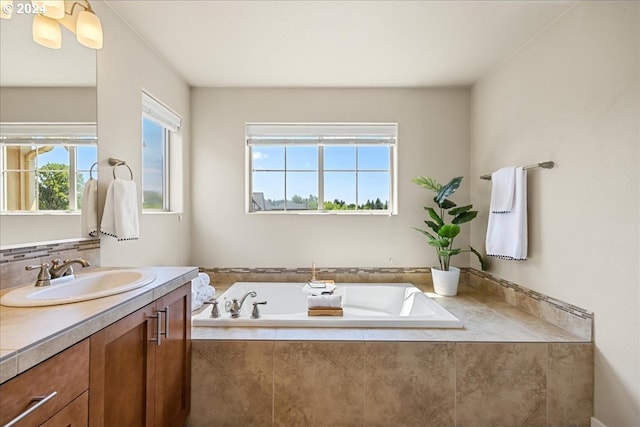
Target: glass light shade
(89,30)
(46,32)
(50,8)
(6,9)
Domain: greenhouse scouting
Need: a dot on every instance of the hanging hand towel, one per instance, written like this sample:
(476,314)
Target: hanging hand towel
(120,216)
(89,214)
(502,188)
(507,232)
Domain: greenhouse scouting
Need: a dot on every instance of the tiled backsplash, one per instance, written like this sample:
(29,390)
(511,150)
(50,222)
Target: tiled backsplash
(14,259)
(567,316)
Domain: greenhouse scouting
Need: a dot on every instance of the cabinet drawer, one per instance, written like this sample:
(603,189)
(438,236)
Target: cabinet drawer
(66,374)
(75,414)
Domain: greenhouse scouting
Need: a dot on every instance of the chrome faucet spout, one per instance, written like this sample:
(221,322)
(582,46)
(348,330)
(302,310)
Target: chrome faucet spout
(64,268)
(234,306)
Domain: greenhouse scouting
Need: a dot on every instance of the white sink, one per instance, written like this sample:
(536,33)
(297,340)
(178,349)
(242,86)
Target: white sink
(82,288)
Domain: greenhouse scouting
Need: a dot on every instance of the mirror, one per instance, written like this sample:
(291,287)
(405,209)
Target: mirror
(47,118)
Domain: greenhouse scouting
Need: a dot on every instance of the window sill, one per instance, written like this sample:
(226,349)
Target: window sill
(324,213)
(161,213)
(41,213)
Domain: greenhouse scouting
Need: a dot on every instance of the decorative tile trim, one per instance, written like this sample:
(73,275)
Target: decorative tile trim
(303,270)
(562,314)
(40,250)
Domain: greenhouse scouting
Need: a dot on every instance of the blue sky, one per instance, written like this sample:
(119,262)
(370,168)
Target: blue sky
(340,176)
(153,137)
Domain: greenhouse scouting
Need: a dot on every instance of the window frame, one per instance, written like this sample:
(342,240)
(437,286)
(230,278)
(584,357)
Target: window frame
(320,143)
(69,135)
(158,112)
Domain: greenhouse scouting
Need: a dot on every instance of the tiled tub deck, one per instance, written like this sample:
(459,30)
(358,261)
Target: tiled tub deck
(505,368)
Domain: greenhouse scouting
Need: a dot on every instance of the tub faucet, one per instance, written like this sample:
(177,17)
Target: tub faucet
(64,268)
(234,305)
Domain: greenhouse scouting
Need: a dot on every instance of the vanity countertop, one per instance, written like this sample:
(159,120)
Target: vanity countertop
(31,335)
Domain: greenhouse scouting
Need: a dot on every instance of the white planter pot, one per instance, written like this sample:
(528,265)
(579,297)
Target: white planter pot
(445,282)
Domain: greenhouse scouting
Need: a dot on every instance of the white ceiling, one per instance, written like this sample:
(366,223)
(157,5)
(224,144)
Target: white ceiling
(336,43)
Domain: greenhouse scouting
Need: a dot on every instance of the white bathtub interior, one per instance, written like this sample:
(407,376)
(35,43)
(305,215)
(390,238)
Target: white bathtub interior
(365,305)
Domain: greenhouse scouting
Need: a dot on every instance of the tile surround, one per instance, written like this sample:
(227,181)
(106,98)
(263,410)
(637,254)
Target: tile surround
(232,383)
(409,384)
(329,383)
(508,367)
(501,385)
(570,384)
(564,315)
(318,383)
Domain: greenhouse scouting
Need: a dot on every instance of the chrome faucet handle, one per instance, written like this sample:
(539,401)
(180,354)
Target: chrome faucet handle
(44,277)
(215,312)
(255,313)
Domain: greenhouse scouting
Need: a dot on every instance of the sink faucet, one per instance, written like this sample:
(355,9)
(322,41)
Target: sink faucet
(234,306)
(64,268)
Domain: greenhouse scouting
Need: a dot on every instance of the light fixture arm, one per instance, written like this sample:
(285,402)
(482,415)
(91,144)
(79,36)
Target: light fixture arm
(77,3)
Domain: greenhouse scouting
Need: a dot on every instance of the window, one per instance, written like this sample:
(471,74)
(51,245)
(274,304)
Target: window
(321,167)
(45,166)
(158,122)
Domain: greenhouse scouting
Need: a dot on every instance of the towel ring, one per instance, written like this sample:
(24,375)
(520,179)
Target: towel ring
(91,170)
(122,164)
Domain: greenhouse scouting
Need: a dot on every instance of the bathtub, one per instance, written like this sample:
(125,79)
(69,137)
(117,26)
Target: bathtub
(379,305)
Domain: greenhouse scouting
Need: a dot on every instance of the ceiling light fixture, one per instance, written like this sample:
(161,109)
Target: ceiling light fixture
(83,22)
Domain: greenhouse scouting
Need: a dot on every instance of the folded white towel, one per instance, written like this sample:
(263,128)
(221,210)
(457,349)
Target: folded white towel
(195,301)
(324,301)
(120,216)
(89,214)
(319,291)
(201,291)
(503,183)
(507,232)
(204,279)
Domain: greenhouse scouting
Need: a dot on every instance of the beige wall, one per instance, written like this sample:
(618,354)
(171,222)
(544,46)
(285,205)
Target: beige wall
(48,104)
(571,95)
(433,139)
(126,65)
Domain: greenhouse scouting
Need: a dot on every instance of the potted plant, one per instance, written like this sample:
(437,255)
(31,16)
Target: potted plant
(441,234)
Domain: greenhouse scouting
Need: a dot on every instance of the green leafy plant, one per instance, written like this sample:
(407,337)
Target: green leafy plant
(441,234)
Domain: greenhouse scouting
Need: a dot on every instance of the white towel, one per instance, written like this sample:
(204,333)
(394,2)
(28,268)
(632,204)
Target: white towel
(328,288)
(507,232)
(201,291)
(120,216)
(89,214)
(324,301)
(502,188)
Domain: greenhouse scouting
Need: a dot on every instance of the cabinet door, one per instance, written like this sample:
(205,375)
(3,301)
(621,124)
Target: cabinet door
(173,358)
(122,372)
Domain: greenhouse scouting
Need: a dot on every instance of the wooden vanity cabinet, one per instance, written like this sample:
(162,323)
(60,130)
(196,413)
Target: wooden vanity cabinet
(62,380)
(138,378)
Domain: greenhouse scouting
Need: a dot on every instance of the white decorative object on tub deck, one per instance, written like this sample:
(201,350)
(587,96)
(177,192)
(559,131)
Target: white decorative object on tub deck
(378,305)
